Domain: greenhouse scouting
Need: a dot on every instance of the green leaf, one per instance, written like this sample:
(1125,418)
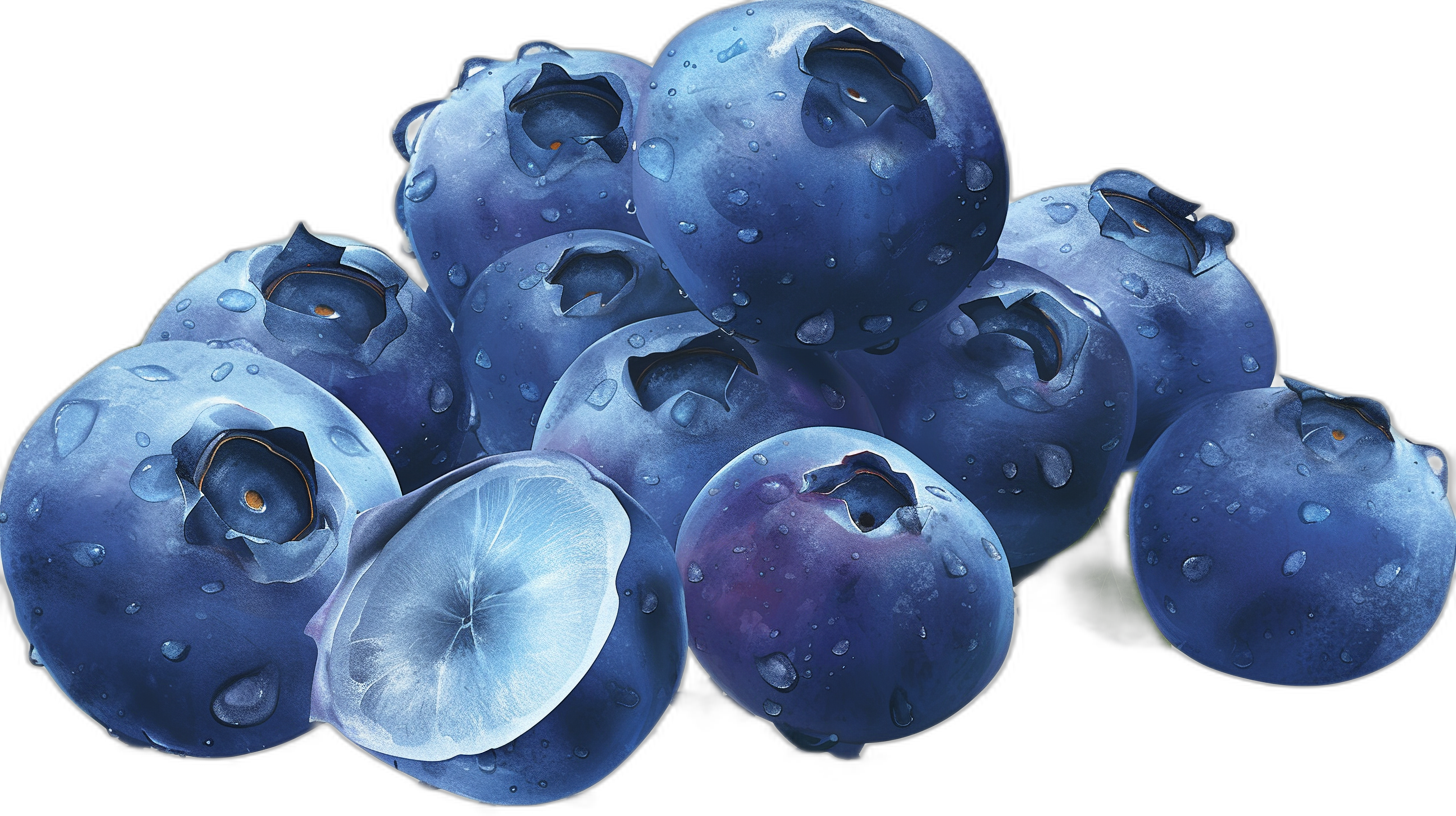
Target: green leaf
(1095,579)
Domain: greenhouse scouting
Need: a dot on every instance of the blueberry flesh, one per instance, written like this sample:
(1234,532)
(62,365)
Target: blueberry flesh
(170,525)
(1191,322)
(1291,536)
(818,174)
(839,588)
(1020,395)
(518,151)
(538,308)
(344,315)
(661,404)
(608,712)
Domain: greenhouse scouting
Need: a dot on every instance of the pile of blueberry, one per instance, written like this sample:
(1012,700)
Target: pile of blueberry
(747,354)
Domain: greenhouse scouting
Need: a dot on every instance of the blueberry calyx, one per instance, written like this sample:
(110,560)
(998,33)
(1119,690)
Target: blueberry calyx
(705,366)
(558,109)
(1351,429)
(871,490)
(584,273)
(1037,322)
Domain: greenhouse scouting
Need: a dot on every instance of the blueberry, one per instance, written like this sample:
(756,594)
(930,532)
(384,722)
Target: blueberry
(166,586)
(839,588)
(661,404)
(347,317)
(1192,323)
(517,151)
(827,163)
(1021,395)
(540,306)
(509,633)
(1292,536)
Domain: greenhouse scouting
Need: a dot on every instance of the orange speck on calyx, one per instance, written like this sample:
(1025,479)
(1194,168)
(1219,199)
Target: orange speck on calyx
(1337,434)
(556,145)
(323,311)
(1141,226)
(253,499)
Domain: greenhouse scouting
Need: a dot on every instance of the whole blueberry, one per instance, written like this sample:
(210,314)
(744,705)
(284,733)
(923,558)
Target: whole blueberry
(170,525)
(344,315)
(1191,322)
(1021,395)
(540,306)
(1292,536)
(510,633)
(661,404)
(517,151)
(839,588)
(818,173)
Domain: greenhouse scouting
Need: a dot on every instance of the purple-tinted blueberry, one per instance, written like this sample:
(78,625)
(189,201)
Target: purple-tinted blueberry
(834,162)
(661,404)
(166,587)
(1019,394)
(1192,323)
(1292,536)
(518,151)
(347,317)
(510,632)
(867,601)
(541,305)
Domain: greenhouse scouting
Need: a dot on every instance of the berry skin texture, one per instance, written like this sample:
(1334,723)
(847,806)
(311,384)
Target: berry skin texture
(840,589)
(169,526)
(1291,536)
(818,174)
(1191,321)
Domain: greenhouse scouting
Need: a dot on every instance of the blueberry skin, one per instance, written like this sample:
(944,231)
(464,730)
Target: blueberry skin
(1191,321)
(480,185)
(397,368)
(1288,561)
(794,213)
(526,320)
(611,710)
(836,635)
(661,404)
(143,630)
(1021,394)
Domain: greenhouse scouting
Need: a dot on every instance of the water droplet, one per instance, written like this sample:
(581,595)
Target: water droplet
(749,235)
(624,696)
(580,753)
(1303,469)
(1250,364)
(252,369)
(927,415)
(1065,248)
(1313,512)
(529,391)
(602,394)
(1196,567)
(724,313)
(1112,443)
(1346,657)
(346,442)
(650,479)
(221,372)
(1148,330)
(175,650)
(636,341)
(990,548)
(133,608)
(1212,455)
(978,176)
(739,197)
(777,670)
(441,397)
(1293,562)
(1243,657)
(486,761)
(550,215)
(1233,508)
(772,708)
(421,185)
(740,299)
(695,572)
(1133,282)
(88,555)
(875,324)
(919,305)
(840,648)
(213,587)
(72,425)
(940,253)
(954,566)
(33,510)
(760,459)
(753,147)
(1181,489)
(236,300)
(687,227)
(901,712)
(247,700)
(816,330)
(685,409)
(778,96)
(832,397)
(1386,575)
(1061,213)
(155,479)
(1056,464)
(656,157)
(183,304)
(1009,470)
(649,603)
(4,517)
(457,275)
(1168,605)
(482,359)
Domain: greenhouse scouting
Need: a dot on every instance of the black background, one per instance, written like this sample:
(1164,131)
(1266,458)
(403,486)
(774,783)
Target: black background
(140,159)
